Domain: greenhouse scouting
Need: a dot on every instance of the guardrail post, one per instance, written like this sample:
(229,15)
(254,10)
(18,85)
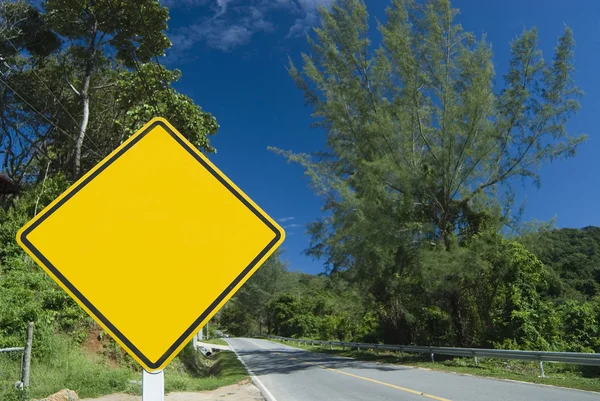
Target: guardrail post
(432,358)
(475,358)
(542,368)
(27,357)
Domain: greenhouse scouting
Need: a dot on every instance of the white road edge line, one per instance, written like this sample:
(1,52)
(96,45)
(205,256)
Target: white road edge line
(257,382)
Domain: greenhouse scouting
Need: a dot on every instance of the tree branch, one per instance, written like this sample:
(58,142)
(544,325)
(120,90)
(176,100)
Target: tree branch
(105,86)
(72,87)
(421,130)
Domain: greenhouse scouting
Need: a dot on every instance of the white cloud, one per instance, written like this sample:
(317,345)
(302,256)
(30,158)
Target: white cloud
(284,219)
(222,6)
(309,10)
(220,35)
(234,22)
(292,226)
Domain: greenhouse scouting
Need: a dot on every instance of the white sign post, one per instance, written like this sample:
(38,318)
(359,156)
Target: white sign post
(153,386)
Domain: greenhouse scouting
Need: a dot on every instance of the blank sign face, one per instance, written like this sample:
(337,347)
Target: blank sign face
(152,242)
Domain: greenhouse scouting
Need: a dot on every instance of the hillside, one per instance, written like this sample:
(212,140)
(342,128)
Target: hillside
(574,256)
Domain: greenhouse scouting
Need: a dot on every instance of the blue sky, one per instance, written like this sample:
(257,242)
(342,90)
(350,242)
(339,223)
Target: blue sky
(233,55)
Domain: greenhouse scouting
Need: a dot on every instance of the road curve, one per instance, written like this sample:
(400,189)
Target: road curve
(291,374)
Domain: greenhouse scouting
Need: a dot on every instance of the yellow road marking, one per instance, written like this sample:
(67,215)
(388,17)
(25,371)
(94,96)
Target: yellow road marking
(408,390)
(257,344)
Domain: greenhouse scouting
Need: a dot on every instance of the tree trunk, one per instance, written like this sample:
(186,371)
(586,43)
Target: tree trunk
(82,128)
(85,100)
(457,320)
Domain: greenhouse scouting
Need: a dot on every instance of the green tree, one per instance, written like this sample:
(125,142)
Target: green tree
(26,28)
(235,320)
(252,299)
(76,80)
(486,293)
(68,107)
(573,255)
(94,29)
(580,326)
(422,150)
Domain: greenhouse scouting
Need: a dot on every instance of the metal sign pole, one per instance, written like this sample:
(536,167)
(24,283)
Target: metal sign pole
(153,386)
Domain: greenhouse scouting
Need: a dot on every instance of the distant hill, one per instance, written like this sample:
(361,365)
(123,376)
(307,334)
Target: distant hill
(574,255)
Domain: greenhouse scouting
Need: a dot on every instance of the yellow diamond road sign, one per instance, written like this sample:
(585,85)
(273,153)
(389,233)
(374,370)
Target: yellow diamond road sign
(152,242)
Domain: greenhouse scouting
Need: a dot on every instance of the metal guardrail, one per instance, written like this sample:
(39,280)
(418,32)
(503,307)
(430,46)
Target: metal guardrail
(23,383)
(579,358)
(14,349)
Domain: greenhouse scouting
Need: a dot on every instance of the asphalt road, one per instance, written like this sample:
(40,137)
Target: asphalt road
(291,374)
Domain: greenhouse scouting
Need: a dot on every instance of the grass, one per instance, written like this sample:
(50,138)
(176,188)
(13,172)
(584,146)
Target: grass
(67,366)
(91,375)
(557,374)
(216,341)
(225,370)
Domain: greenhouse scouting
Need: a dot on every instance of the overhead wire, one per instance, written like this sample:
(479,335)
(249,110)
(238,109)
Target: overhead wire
(44,117)
(136,67)
(77,123)
(49,90)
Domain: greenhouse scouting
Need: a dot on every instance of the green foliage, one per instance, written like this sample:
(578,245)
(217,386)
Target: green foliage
(69,366)
(225,370)
(580,323)
(416,182)
(65,365)
(486,293)
(234,320)
(27,28)
(573,255)
(27,294)
(291,317)
(195,364)
(70,107)
(129,25)
(417,177)
(78,79)
(181,111)
(321,314)
(415,130)
(275,301)
(247,313)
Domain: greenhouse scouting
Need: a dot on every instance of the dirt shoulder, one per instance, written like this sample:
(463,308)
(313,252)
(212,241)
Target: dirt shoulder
(244,391)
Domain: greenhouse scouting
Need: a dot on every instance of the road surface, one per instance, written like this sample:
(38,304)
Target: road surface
(291,374)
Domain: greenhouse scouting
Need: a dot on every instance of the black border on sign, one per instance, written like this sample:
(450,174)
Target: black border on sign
(88,304)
